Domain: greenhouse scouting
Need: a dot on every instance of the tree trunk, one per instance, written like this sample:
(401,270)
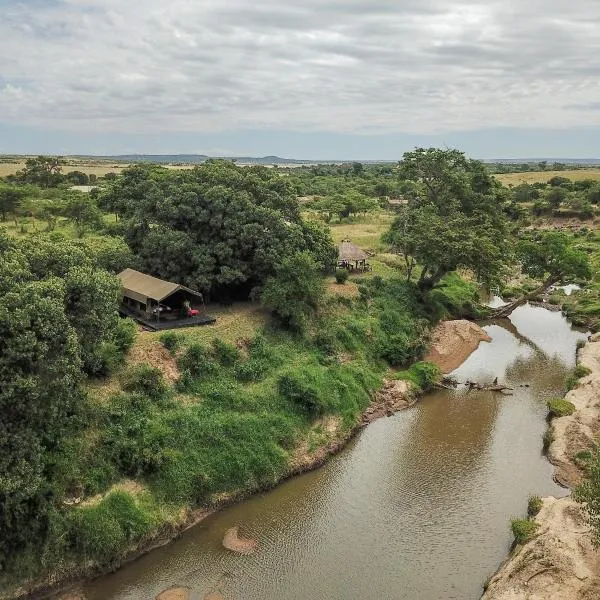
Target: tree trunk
(505,311)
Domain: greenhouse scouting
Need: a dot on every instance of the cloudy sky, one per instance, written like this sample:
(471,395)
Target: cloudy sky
(313,79)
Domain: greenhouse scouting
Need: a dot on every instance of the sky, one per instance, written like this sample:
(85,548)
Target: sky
(317,79)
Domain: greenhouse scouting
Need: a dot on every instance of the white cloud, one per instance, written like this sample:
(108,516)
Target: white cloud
(422,66)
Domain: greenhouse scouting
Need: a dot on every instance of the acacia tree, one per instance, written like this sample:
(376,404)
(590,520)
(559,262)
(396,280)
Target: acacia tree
(453,219)
(551,257)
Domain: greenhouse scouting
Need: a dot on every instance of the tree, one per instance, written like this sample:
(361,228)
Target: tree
(454,218)
(44,171)
(552,258)
(556,196)
(218,228)
(295,291)
(83,212)
(10,198)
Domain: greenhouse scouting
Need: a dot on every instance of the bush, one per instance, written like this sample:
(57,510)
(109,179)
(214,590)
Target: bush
(523,529)
(102,531)
(581,344)
(571,382)
(341,276)
(144,379)
(534,505)
(227,354)
(424,375)
(171,341)
(304,387)
(197,361)
(581,371)
(253,369)
(124,335)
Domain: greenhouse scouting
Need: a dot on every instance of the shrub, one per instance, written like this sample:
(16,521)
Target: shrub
(581,371)
(534,505)
(580,344)
(124,334)
(145,379)
(559,407)
(227,354)
(424,375)
(341,276)
(325,340)
(171,341)
(101,531)
(523,529)
(548,438)
(197,361)
(253,369)
(304,387)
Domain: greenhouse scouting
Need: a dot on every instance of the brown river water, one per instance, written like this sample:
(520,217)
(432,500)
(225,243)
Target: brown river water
(417,507)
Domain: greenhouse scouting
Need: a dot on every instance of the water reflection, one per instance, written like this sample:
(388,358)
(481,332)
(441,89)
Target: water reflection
(416,508)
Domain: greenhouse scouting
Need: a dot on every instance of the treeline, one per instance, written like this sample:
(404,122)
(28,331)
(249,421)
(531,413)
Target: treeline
(560,196)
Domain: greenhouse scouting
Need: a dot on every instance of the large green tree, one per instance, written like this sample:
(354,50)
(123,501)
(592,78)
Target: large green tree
(453,219)
(549,257)
(218,228)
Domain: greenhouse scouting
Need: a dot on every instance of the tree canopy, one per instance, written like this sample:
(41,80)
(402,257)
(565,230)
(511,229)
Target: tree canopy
(453,218)
(217,228)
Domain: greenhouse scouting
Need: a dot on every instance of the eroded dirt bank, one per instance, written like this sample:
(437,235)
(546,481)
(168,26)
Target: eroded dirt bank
(560,560)
(453,342)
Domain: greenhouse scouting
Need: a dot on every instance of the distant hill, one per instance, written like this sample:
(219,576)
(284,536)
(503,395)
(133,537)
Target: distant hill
(191,159)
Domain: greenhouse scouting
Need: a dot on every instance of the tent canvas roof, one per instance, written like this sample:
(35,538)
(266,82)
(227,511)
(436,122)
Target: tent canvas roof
(141,286)
(349,251)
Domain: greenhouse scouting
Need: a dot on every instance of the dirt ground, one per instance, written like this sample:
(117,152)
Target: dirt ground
(453,342)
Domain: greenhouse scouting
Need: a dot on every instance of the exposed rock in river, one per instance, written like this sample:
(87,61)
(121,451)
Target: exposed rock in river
(395,395)
(453,342)
(560,560)
(232,541)
(174,593)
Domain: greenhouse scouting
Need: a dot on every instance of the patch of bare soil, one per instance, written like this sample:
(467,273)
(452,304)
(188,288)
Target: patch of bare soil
(347,290)
(156,355)
(174,593)
(232,541)
(395,395)
(453,342)
(577,432)
(558,562)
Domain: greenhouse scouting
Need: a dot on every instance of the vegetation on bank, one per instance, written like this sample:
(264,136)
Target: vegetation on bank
(102,453)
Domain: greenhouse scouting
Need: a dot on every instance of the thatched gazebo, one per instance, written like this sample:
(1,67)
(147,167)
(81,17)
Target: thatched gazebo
(351,257)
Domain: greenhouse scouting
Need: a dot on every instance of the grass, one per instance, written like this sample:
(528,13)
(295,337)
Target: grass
(534,505)
(545,176)
(558,407)
(523,529)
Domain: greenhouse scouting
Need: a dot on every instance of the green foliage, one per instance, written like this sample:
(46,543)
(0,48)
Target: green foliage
(581,371)
(453,297)
(572,382)
(306,389)
(218,228)
(295,292)
(144,379)
(552,256)
(341,276)
(227,354)
(100,532)
(423,375)
(558,407)
(171,341)
(197,361)
(523,529)
(453,218)
(589,492)
(534,505)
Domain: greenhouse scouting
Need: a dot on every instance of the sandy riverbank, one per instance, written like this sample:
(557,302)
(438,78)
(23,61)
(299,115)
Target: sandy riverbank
(453,342)
(560,560)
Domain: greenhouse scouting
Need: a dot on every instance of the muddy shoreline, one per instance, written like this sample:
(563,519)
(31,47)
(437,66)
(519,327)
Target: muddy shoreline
(560,561)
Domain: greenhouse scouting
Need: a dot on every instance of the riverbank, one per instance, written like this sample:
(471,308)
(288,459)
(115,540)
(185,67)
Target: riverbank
(560,561)
(394,396)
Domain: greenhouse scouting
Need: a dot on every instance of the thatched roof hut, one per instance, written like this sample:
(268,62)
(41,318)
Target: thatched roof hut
(349,252)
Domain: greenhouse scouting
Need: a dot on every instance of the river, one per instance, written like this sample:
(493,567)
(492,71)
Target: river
(417,507)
